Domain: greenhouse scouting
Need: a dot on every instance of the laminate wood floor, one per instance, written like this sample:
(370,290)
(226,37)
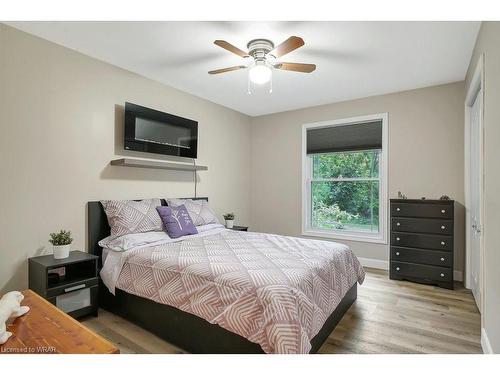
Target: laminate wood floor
(388,317)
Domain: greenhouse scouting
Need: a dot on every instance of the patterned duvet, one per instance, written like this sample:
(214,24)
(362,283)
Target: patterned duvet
(274,290)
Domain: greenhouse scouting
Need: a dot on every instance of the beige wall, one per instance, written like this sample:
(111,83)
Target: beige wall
(60,125)
(488,43)
(426,156)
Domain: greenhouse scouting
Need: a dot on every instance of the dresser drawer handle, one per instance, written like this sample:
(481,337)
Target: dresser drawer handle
(443,227)
(397,253)
(443,211)
(398,224)
(398,209)
(442,259)
(397,238)
(442,275)
(397,268)
(442,243)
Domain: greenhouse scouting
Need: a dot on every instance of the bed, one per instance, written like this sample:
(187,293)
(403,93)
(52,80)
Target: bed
(254,312)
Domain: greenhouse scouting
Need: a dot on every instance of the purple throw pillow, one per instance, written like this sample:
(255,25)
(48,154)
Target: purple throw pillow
(176,221)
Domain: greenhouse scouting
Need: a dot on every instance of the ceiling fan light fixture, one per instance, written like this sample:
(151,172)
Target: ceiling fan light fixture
(262,58)
(260,74)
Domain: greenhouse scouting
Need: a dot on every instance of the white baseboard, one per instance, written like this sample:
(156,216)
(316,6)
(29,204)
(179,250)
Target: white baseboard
(374,263)
(458,275)
(485,342)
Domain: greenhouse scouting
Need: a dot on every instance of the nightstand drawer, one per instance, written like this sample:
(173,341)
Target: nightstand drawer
(71,287)
(430,257)
(422,241)
(78,302)
(417,225)
(444,211)
(420,271)
(75,300)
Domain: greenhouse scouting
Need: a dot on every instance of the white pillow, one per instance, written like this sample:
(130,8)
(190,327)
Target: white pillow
(198,209)
(133,240)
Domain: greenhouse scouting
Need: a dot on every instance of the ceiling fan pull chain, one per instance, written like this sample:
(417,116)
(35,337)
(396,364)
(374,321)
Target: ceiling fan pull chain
(271,85)
(249,87)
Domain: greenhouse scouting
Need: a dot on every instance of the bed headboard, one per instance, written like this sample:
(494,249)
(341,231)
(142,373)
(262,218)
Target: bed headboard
(98,227)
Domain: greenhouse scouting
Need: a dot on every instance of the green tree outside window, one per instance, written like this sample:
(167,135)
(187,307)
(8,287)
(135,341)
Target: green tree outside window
(345,190)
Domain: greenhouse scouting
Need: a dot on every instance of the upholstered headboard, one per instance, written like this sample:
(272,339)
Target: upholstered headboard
(98,227)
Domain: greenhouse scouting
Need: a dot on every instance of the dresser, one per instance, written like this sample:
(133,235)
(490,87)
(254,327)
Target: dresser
(422,241)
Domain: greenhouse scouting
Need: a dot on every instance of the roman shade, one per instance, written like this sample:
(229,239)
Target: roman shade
(349,137)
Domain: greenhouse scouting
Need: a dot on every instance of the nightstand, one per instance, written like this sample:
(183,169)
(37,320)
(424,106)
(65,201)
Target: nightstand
(240,228)
(71,284)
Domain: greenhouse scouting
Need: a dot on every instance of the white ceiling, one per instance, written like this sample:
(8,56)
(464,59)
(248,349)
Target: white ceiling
(354,59)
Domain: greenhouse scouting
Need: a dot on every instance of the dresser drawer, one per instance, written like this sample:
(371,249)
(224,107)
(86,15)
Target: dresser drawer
(422,241)
(435,226)
(430,257)
(444,211)
(432,273)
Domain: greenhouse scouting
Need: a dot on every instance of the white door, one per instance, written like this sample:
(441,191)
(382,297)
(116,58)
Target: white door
(475,185)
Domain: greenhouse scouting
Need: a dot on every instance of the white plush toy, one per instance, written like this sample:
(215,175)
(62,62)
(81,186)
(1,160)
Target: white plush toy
(10,307)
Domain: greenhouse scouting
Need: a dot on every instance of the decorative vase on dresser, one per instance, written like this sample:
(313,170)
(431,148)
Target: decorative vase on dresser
(422,241)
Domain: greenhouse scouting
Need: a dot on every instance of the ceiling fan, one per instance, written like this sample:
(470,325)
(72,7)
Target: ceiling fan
(263,57)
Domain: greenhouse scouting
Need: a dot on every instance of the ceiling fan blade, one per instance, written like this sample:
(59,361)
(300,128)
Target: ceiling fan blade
(227,69)
(229,47)
(296,67)
(287,46)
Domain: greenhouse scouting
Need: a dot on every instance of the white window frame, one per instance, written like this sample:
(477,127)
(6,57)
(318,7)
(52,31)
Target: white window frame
(307,230)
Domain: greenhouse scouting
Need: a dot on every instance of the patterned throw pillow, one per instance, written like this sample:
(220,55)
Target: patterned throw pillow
(176,221)
(199,210)
(126,217)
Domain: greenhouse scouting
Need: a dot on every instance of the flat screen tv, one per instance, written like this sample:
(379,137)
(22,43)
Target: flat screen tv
(149,130)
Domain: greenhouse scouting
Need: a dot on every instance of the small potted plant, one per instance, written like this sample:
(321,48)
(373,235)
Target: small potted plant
(229,220)
(61,242)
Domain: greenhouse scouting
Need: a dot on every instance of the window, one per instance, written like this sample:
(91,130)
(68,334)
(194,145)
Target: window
(345,179)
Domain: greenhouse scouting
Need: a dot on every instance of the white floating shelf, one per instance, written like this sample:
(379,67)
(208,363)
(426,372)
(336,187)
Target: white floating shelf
(138,163)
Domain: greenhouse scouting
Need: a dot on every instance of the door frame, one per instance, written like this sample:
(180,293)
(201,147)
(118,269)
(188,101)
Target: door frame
(476,85)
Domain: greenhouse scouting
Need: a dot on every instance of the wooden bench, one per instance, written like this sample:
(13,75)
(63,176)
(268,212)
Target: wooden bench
(46,329)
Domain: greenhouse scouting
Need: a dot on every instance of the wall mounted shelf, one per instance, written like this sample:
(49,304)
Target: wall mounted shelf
(140,163)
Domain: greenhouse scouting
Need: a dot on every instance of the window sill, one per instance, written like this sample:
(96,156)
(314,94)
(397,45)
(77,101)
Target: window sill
(378,239)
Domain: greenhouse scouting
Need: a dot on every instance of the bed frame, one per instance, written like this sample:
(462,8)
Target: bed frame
(184,330)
